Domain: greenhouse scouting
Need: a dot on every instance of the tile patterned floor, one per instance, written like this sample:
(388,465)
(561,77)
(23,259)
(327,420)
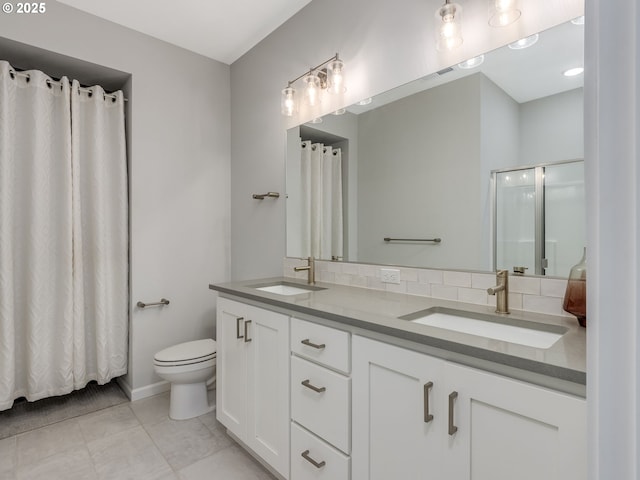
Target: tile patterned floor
(134,440)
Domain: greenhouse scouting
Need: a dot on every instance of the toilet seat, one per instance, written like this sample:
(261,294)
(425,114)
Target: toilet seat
(188,353)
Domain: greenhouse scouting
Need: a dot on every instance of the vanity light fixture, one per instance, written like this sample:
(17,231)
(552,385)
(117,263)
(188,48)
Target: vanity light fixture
(472,62)
(525,42)
(572,72)
(289,105)
(335,78)
(328,76)
(503,12)
(312,91)
(449,35)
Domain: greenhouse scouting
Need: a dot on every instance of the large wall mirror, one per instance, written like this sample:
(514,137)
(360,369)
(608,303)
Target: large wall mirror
(419,176)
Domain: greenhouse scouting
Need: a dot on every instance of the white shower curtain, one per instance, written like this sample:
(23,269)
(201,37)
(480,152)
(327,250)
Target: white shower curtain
(63,236)
(321,192)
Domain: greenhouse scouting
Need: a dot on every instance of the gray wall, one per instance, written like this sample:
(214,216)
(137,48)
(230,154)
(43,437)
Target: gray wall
(552,128)
(418,171)
(179,111)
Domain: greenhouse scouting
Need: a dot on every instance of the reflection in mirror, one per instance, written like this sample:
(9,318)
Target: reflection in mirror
(416,162)
(539,221)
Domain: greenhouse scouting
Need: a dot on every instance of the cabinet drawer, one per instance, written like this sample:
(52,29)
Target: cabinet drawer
(331,464)
(324,345)
(325,412)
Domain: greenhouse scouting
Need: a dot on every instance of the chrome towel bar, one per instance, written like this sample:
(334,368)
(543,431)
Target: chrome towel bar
(434,240)
(162,302)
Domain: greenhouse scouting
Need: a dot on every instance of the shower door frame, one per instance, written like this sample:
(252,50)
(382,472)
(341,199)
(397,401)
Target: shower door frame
(540,261)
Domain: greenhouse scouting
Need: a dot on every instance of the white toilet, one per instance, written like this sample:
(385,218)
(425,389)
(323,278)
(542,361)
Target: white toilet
(189,367)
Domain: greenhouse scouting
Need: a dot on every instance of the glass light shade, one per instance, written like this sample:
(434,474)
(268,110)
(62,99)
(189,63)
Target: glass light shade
(311,89)
(335,77)
(449,35)
(288,104)
(503,12)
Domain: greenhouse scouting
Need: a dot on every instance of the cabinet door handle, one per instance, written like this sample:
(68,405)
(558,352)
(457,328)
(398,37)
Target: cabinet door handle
(246,332)
(306,456)
(313,345)
(452,428)
(238,321)
(307,383)
(427,416)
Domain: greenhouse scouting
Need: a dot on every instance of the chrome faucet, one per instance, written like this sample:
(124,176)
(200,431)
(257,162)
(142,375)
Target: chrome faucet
(311,268)
(501,291)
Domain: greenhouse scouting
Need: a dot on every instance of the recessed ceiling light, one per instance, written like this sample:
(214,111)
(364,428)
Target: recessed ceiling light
(472,62)
(572,72)
(524,42)
(578,21)
(366,101)
(316,120)
(340,111)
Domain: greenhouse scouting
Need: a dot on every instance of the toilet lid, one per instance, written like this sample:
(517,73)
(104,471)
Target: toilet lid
(198,349)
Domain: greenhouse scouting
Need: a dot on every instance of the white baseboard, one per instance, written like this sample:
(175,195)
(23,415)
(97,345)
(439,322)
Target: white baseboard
(144,392)
(124,385)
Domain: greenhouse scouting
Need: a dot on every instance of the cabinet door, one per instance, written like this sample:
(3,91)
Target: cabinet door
(267,337)
(231,367)
(393,437)
(507,429)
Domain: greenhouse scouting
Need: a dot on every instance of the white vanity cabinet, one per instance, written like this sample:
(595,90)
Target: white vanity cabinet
(252,395)
(510,429)
(320,402)
(397,428)
(483,426)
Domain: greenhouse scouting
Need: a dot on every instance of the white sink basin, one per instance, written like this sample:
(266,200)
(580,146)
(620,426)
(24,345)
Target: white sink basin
(285,288)
(541,336)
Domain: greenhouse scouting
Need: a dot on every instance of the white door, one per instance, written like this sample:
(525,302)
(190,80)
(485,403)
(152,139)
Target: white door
(507,429)
(267,338)
(395,392)
(231,389)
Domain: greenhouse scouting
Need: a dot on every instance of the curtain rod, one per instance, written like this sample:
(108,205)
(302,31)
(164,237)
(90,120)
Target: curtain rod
(51,81)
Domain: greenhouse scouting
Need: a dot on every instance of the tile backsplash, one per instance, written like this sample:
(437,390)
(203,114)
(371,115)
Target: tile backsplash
(534,294)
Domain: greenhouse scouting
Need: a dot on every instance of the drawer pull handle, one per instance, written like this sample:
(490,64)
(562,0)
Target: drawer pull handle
(427,416)
(452,428)
(306,456)
(313,345)
(307,383)
(246,331)
(238,320)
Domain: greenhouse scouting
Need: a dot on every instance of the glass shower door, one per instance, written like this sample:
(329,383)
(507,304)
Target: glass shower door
(515,221)
(564,218)
(540,218)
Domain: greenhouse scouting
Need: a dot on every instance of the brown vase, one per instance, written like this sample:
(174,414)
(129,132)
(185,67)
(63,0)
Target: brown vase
(575,297)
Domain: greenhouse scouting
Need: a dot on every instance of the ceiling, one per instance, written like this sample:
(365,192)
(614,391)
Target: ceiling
(525,75)
(223,30)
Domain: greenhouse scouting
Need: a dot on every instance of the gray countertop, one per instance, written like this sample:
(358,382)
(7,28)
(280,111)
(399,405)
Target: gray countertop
(361,310)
